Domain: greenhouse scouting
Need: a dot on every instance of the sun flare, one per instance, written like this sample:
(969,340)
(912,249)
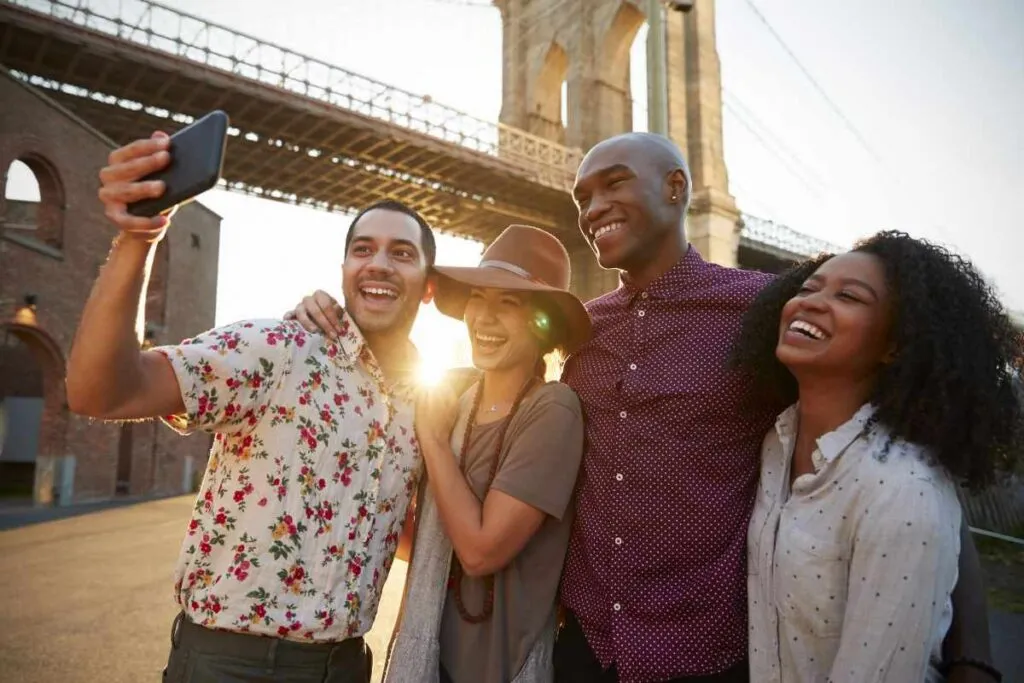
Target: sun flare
(442,345)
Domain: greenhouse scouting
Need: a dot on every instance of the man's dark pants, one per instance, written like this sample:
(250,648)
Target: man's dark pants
(201,655)
(575,662)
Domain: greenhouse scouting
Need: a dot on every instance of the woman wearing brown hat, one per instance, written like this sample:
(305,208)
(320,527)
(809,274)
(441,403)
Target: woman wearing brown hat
(495,511)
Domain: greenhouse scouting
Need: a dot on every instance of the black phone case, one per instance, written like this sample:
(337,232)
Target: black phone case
(197,155)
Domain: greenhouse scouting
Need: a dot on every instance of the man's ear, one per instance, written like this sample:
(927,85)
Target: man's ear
(675,186)
(430,289)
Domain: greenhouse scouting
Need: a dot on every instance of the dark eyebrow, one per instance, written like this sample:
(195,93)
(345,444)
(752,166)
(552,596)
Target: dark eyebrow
(848,281)
(395,242)
(614,169)
(406,243)
(854,282)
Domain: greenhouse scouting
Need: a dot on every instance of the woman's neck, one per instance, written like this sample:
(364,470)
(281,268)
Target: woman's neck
(826,404)
(502,386)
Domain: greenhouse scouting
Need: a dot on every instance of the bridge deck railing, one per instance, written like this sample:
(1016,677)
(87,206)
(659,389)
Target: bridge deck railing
(169,30)
(764,231)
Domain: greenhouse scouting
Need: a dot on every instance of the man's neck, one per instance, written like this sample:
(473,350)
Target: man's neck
(393,353)
(663,259)
(828,403)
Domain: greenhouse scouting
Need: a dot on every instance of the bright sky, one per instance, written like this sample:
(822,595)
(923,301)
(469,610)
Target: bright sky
(935,89)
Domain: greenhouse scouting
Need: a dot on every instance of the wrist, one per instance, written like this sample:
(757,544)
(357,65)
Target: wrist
(134,243)
(432,444)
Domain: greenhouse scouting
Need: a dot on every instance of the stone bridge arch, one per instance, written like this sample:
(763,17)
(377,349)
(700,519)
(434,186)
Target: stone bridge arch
(596,37)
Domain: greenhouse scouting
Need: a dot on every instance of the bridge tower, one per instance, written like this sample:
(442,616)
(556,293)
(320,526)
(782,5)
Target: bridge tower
(586,45)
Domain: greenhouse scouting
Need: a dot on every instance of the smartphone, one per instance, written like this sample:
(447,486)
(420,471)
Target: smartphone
(197,156)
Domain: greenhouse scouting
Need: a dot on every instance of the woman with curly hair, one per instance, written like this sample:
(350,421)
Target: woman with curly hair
(896,358)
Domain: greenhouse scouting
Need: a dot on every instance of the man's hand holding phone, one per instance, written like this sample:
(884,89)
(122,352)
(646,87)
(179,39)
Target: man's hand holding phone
(121,183)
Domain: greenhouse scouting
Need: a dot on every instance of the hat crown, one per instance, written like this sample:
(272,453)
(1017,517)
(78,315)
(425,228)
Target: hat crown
(532,253)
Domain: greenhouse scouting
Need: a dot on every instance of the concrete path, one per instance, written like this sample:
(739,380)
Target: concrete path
(88,597)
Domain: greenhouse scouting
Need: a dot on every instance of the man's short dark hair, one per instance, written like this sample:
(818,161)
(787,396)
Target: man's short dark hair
(427,242)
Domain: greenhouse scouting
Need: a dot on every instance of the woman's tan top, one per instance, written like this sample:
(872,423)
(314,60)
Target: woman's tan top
(540,459)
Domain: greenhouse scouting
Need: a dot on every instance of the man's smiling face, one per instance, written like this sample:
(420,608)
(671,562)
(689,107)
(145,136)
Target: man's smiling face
(384,276)
(622,210)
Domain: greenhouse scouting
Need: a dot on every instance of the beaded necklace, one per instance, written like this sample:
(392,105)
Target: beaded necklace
(457,572)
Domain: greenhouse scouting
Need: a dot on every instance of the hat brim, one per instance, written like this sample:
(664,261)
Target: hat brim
(454,285)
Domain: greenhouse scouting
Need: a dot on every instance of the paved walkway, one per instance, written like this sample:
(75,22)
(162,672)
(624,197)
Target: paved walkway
(92,595)
(89,595)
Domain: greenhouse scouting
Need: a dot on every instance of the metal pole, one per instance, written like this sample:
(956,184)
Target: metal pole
(657,81)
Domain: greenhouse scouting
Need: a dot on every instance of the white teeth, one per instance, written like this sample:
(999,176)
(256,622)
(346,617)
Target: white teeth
(605,229)
(807,327)
(489,339)
(379,291)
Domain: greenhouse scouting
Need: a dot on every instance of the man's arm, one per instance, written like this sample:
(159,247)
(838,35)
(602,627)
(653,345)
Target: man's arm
(108,375)
(968,637)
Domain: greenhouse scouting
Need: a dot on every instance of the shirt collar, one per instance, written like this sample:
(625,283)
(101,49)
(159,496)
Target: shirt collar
(830,445)
(686,274)
(354,349)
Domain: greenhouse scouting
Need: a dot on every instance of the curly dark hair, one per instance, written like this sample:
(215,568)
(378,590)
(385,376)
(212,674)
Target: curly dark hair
(951,386)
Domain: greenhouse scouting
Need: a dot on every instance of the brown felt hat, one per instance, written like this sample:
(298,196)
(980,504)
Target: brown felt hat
(523,259)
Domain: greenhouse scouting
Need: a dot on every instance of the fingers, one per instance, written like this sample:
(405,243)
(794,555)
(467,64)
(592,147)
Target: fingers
(330,308)
(302,316)
(318,313)
(140,148)
(313,318)
(120,184)
(126,193)
(131,169)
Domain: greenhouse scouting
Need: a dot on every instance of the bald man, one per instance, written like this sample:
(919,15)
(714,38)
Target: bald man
(654,586)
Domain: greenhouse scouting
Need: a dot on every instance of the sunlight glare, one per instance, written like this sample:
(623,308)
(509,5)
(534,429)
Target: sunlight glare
(441,343)
(430,374)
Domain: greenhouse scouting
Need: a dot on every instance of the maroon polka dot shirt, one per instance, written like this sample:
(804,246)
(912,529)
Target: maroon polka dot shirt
(656,568)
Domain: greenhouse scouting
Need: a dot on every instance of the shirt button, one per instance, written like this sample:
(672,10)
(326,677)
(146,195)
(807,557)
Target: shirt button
(623,414)
(616,607)
(618,477)
(640,313)
(618,541)
(632,366)
(643,295)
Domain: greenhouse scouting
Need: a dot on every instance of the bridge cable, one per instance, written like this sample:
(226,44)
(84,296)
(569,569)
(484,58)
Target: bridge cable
(817,86)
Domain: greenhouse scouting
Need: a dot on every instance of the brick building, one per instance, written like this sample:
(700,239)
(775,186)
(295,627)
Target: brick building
(50,253)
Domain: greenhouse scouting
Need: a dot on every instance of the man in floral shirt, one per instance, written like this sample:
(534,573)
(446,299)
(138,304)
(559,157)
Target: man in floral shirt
(314,458)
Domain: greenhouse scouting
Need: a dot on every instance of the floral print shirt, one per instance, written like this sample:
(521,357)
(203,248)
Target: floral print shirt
(312,468)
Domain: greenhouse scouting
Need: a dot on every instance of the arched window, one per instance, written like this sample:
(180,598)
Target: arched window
(638,79)
(33,206)
(551,111)
(619,44)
